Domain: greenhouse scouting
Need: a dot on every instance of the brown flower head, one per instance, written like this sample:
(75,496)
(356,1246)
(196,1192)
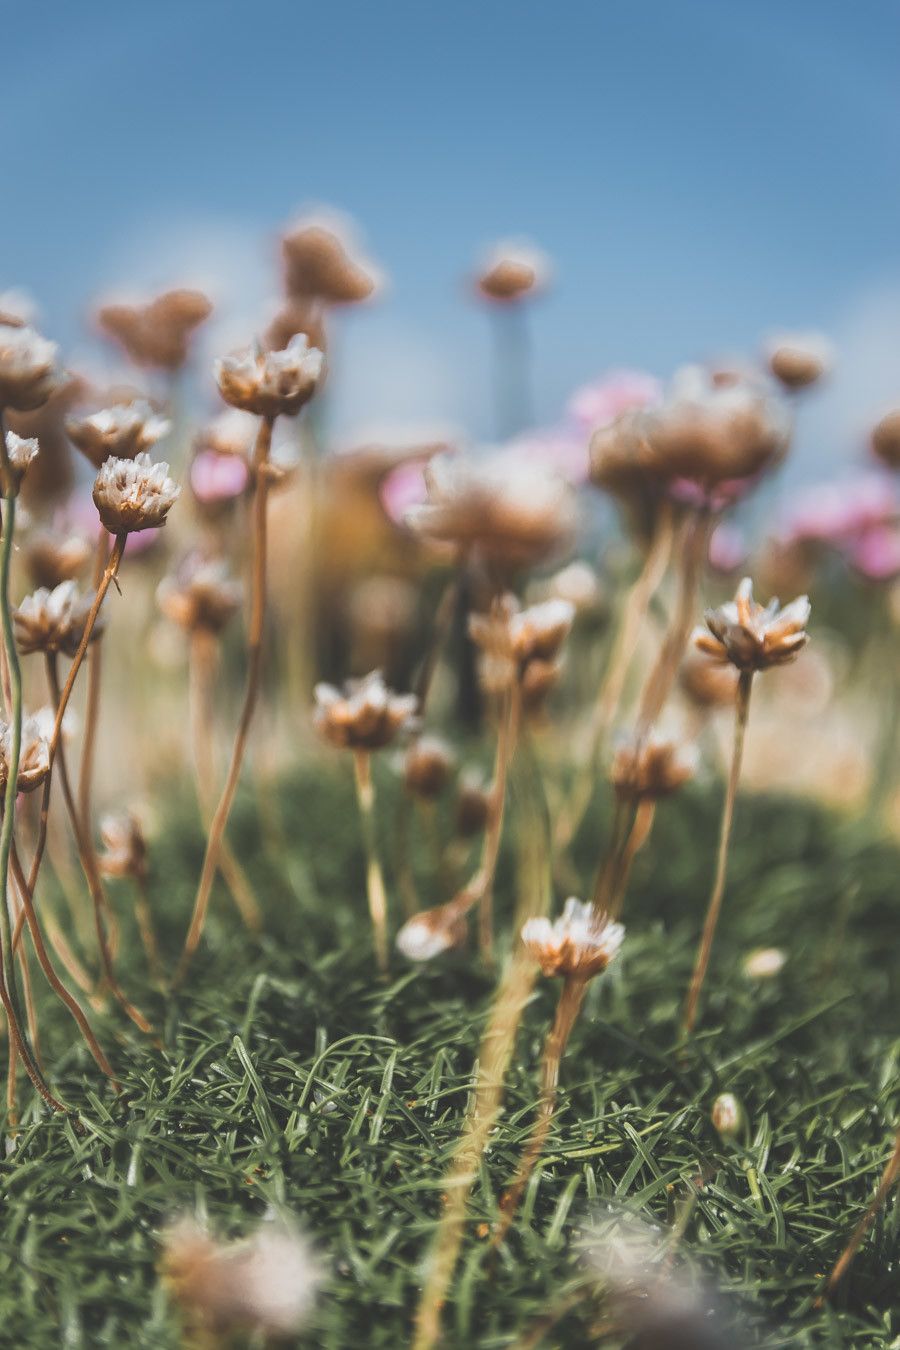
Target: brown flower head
(134,494)
(125,849)
(578,943)
(751,636)
(652,768)
(886,439)
(319,264)
(157,333)
(53,620)
(28,373)
(366,715)
(428,767)
(539,679)
(123,431)
(202,595)
(231,432)
(511,515)
(34,755)
(293,317)
(53,557)
(512,639)
(21,451)
(799,359)
(512,271)
(474,804)
(271,384)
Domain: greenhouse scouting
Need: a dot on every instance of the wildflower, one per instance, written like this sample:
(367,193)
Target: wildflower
(17,309)
(753,637)
(539,679)
(727,548)
(34,755)
(271,383)
(541,630)
(727,1116)
(652,769)
(266,1284)
(20,451)
(429,934)
(365,716)
(28,373)
(598,404)
(319,263)
(764,963)
(134,494)
(157,333)
(512,271)
(201,596)
(231,433)
(511,639)
(297,316)
(799,359)
(577,943)
(515,518)
(886,439)
(53,620)
(428,766)
(125,849)
(579,585)
(218,478)
(123,431)
(473,804)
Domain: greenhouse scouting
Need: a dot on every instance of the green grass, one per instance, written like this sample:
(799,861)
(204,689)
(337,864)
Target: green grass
(291,1078)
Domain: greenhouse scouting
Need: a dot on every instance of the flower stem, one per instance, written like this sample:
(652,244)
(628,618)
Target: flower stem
(494,831)
(889,1179)
(92,704)
(741,712)
(365,796)
(251,693)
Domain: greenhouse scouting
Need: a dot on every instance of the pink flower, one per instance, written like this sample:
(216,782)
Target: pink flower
(561,449)
(402,488)
(601,402)
(835,512)
(876,553)
(218,478)
(727,548)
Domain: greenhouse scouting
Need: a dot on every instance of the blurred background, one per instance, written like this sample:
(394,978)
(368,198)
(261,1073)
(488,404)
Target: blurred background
(700,174)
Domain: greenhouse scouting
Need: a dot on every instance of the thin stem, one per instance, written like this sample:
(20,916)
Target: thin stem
(494,830)
(889,1179)
(365,796)
(144,915)
(92,705)
(251,693)
(512,368)
(567,1009)
(741,712)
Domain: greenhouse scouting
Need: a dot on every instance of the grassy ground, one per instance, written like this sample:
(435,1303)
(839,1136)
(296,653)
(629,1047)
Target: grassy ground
(291,1078)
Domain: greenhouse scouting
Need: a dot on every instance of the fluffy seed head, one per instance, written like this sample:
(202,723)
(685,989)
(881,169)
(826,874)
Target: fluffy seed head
(134,494)
(752,636)
(28,373)
(577,943)
(124,430)
(365,715)
(271,384)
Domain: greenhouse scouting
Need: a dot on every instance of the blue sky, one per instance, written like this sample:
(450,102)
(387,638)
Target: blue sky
(702,172)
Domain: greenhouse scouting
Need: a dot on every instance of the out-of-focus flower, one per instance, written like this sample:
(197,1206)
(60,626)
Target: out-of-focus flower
(600,403)
(764,963)
(366,715)
(265,1284)
(511,639)
(752,636)
(17,309)
(577,943)
(28,373)
(428,934)
(727,1115)
(134,494)
(835,512)
(707,682)
(321,263)
(876,553)
(886,439)
(34,755)
(727,548)
(799,359)
(201,595)
(20,451)
(53,621)
(558,450)
(474,804)
(510,271)
(45,722)
(513,518)
(428,767)
(652,768)
(157,333)
(293,317)
(539,679)
(218,478)
(124,846)
(271,384)
(578,584)
(230,433)
(123,431)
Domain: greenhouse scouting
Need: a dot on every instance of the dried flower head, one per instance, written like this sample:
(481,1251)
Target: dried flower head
(753,636)
(540,630)
(886,439)
(20,451)
(158,333)
(54,620)
(652,768)
(28,373)
(265,1284)
(53,557)
(512,639)
(474,804)
(727,1116)
(711,432)
(431,932)
(34,755)
(428,767)
(539,679)
(271,384)
(201,595)
(125,849)
(124,430)
(578,584)
(516,518)
(577,943)
(764,963)
(134,494)
(799,359)
(321,262)
(512,271)
(365,716)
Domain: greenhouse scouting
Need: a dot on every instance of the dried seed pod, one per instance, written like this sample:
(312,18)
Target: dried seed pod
(365,715)
(428,767)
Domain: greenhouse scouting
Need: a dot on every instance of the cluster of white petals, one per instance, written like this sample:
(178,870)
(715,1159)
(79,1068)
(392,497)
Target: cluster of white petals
(577,943)
(134,494)
(752,636)
(271,384)
(34,755)
(124,430)
(28,374)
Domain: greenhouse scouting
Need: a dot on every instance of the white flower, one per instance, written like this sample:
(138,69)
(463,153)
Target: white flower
(420,939)
(134,494)
(34,755)
(577,943)
(124,430)
(752,636)
(28,374)
(271,383)
(21,450)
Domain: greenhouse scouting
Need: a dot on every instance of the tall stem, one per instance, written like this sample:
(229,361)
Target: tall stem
(567,1009)
(889,1179)
(254,674)
(365,795)
(92,705)
(494,832)
(741,712)
(512,369)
